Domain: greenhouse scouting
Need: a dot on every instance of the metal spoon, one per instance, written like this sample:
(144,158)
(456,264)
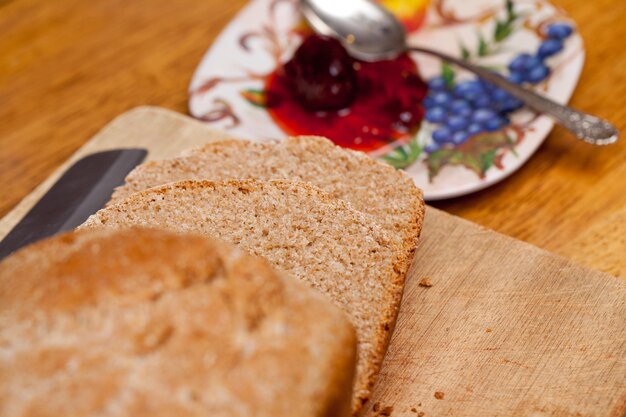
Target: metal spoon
(370,32)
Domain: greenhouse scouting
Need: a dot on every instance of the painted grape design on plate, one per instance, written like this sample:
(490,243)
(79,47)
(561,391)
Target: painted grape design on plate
(476,110)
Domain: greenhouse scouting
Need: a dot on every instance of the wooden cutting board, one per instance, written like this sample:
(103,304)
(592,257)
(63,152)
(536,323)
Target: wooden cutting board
(506,329)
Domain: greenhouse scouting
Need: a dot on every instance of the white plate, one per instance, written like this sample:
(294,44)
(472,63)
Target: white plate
(266,32)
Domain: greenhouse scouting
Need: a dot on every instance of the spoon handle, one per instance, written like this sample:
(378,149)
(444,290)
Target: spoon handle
(589,128)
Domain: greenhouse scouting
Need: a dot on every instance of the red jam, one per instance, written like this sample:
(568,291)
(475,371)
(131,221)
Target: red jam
(359,105)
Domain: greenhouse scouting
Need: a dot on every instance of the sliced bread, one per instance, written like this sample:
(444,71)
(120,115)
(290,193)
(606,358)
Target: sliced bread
(299,229)
(372,187)
(151,323)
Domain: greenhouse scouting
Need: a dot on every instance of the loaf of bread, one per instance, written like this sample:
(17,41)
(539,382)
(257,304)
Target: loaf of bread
(299,229)
(372,187)
(151,323)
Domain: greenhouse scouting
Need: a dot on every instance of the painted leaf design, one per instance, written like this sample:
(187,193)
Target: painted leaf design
(483,47)
(504,28)
(255,97)
(502,31)
(465,53)
(447,73)
(478,154)
(510,10)
(404,155)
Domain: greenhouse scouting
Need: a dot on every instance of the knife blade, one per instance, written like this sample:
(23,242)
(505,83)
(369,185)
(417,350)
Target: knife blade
(81,191)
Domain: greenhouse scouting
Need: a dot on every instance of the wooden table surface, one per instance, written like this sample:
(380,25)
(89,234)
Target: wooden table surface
(67,67)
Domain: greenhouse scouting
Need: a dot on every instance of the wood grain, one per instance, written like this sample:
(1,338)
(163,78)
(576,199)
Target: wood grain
(69,66)
(506,329)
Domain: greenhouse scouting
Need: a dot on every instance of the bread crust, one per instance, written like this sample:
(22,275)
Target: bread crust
(149,322)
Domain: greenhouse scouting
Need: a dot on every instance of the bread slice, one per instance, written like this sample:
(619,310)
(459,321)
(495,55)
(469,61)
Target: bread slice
(151,323)
(300,230)
(372,187)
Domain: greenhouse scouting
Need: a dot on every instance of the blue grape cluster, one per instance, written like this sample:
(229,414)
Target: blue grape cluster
(532,69)
(465,109)
(475,106)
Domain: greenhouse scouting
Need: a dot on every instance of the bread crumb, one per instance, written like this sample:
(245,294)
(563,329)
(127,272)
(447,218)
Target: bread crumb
(426,282)
(420,414)
(414,410)
(386,411)
(488,330)
(439,395)
(376,407)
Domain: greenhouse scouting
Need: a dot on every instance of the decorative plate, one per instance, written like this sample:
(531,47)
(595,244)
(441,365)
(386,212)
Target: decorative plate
(472,134)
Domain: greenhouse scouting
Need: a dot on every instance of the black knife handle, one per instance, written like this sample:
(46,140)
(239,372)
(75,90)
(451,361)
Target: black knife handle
(81,191)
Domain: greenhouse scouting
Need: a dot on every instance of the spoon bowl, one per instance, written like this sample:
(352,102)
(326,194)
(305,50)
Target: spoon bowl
(368,31)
